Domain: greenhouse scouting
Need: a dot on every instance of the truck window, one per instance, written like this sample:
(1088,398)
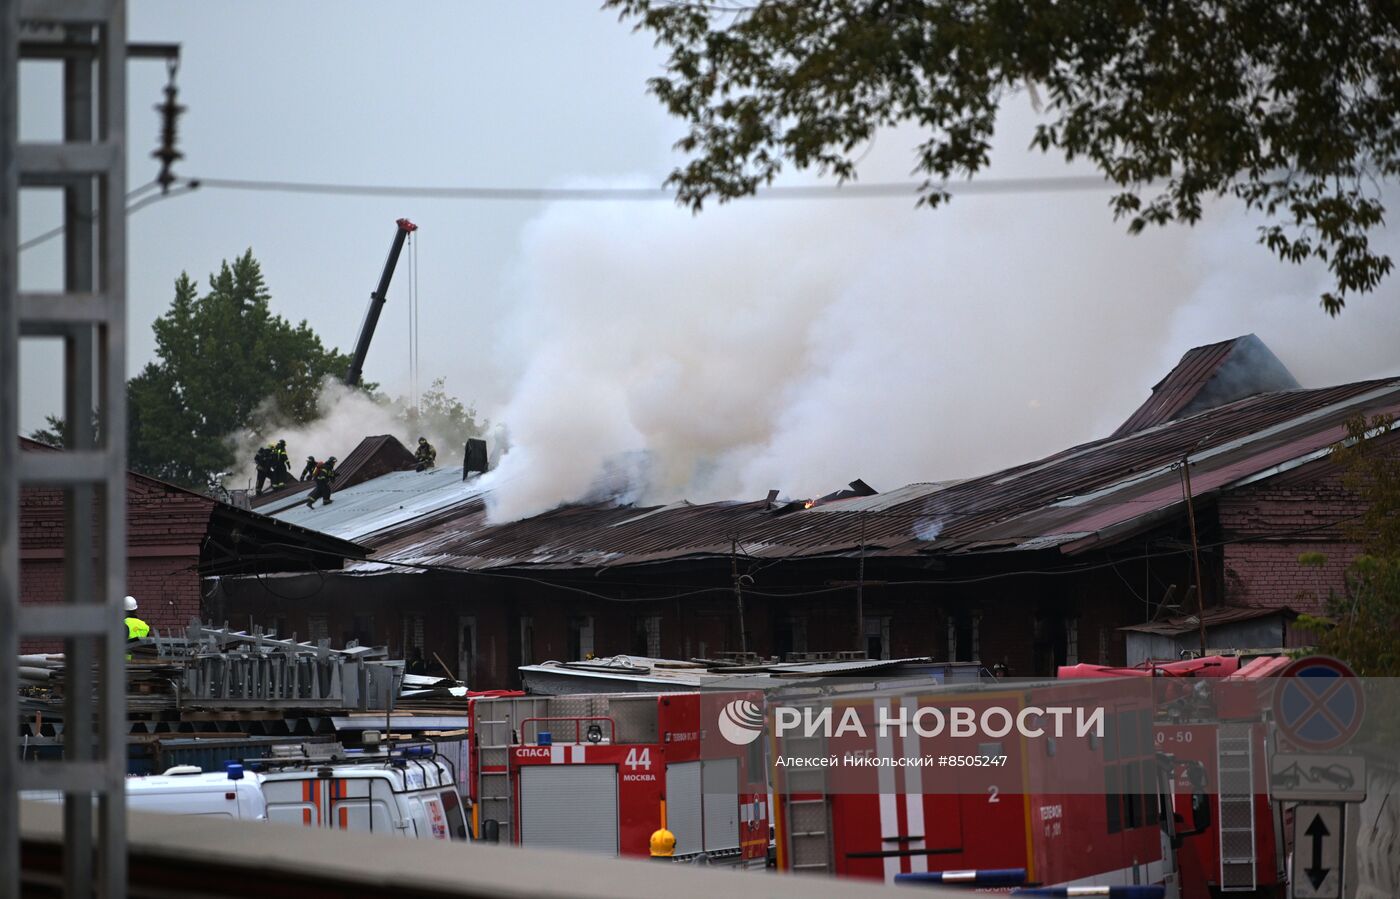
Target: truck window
(456,819)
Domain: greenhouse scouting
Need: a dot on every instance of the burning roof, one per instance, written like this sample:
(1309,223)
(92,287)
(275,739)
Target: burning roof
(1090,495)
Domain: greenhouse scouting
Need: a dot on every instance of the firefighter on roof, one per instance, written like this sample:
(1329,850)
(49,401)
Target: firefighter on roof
(281,465)
(322,478)
(308,469)
(262,460)
(426,457)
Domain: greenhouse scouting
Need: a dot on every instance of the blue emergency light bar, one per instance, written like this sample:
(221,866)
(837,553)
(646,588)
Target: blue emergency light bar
(1125,892)
(982,877)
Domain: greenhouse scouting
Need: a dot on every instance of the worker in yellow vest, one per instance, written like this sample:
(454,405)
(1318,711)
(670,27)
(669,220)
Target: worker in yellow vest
(135,627)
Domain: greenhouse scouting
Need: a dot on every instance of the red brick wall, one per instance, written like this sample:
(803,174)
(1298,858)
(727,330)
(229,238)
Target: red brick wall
(165,528)
(1295,513)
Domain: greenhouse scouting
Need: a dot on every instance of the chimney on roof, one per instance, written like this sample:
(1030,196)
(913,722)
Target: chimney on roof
(475,460)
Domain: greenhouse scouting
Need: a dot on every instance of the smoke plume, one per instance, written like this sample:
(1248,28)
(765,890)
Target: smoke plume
(796,345)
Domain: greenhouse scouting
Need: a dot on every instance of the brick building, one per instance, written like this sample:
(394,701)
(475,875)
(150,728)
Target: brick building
(174,538)
(1034,566)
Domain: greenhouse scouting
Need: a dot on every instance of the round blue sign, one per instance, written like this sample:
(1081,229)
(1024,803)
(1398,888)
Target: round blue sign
(1318,703)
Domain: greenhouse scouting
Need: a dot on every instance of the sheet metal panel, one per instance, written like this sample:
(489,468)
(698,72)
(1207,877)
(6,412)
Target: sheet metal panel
(569,807)
(721,785)
(684,809)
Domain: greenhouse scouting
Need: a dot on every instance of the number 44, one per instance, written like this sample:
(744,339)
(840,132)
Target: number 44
(638,758)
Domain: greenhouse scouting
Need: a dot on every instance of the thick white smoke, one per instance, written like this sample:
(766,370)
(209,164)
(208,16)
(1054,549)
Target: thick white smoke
(799,345)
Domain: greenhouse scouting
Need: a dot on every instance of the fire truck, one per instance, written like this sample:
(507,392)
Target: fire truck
(600,773)
(1223,731)
(1070,810)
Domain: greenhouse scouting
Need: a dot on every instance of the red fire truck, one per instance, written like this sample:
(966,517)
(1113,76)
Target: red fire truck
(1224,732)
(1069,810)
(601,772)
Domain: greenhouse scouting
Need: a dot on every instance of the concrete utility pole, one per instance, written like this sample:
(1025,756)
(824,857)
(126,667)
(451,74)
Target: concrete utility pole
(89,315)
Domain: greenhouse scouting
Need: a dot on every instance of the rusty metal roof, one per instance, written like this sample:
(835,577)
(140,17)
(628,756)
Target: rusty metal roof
(1209,376)
(1213,617)
(1089,495)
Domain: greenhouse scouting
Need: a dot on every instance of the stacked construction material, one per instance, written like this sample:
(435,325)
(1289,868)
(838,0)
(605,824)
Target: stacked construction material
(216,668)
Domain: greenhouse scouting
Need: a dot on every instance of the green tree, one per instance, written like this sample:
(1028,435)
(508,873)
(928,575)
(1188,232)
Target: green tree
(1292,108)
(1362,623)
(225,363)
(443,415)
(56,434)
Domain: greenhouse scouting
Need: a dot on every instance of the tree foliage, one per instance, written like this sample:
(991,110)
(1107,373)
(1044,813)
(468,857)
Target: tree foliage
(441,414)
(224,360)
(1292,108)
(1362,623)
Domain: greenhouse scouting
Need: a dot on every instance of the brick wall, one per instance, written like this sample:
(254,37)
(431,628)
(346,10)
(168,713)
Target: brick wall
(1284,517)
(165,528)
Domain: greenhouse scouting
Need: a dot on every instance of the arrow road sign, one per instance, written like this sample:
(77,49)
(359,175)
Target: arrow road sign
(1320,778)
(1317,852)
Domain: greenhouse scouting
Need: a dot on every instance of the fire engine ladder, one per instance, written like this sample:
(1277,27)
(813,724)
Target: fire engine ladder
(809,817)
(1235,764)
(495,730)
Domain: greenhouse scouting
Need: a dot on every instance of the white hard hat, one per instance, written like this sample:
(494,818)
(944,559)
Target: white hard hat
(130,604)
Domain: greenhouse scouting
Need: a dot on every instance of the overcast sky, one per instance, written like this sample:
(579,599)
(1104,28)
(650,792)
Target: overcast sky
(793,344)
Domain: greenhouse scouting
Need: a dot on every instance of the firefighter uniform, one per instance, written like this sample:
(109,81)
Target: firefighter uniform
(263,460)
(308,469)
(426,456)
(281,465)
(322,478)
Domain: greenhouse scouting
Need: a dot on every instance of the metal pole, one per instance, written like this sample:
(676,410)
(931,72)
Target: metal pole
(112,867)
(79,652)
(9,449)
(1195,549)
(860,591)
(738,595)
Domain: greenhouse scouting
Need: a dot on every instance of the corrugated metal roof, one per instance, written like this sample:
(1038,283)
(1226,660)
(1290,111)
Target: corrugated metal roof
(1213,617)
(379,505)
(1080,497)
(1209,376)
(1086,496)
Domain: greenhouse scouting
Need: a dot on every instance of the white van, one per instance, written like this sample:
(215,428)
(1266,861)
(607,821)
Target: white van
(186,790)
(411,794)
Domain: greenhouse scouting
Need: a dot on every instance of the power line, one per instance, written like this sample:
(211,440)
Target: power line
(850,191)
(132,207)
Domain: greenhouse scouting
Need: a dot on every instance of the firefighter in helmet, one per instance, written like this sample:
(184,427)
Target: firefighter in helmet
(322,478)
(426,456)
(308,469)
(263,460)
(281,465)
(663,844)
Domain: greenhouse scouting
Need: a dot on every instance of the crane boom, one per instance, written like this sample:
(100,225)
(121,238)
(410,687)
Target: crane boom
(376,303)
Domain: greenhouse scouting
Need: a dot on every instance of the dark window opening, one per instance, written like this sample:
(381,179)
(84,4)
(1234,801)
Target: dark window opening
(1149,792)
(1132,797)
(1113,802)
